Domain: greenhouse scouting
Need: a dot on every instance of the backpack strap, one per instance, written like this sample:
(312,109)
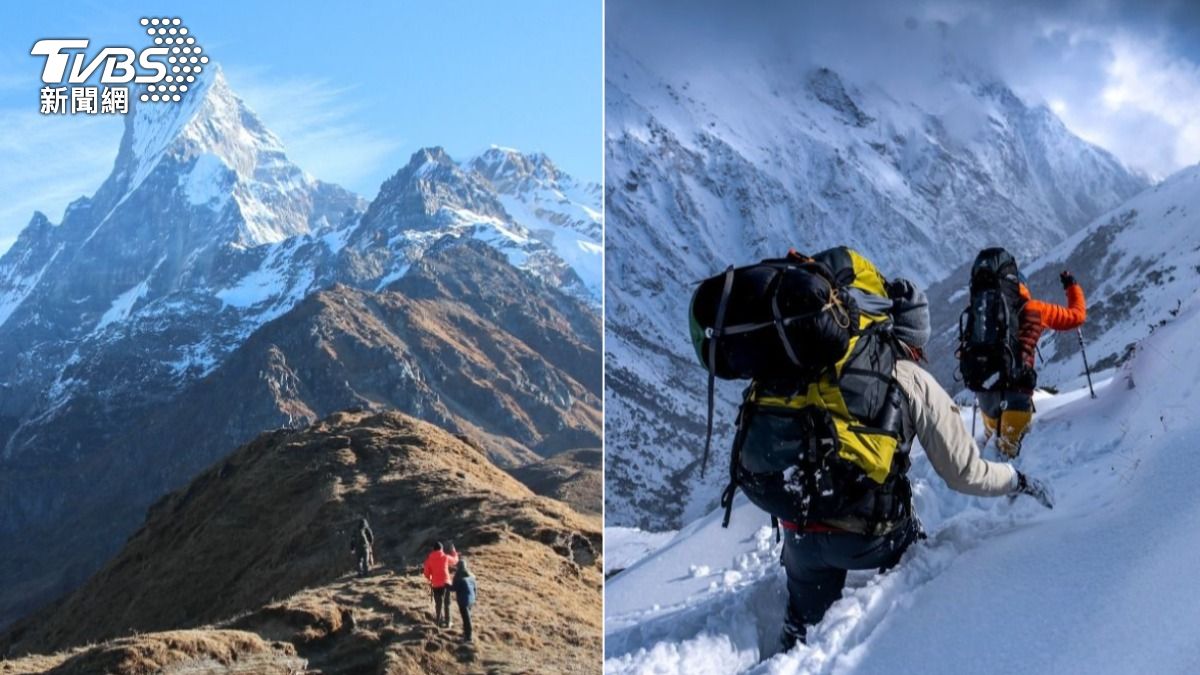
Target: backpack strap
(727,496)
(779,323)
(735,456)
(717,332)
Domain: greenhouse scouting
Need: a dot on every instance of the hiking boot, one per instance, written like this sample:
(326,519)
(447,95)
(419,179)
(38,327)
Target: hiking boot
(789,637)
(1008,449)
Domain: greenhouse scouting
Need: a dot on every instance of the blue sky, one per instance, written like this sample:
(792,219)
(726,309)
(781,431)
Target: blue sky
(352,92)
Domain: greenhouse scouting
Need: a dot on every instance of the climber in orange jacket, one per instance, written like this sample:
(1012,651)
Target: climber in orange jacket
(1013,410)
(437,571)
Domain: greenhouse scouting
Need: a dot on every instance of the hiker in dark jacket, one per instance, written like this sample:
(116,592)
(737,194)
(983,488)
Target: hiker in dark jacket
(361,545)
(464,593)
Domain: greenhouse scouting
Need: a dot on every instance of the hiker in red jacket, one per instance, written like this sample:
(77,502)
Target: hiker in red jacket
(437,570)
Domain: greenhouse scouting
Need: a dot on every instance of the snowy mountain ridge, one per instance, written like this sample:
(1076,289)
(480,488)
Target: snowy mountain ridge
(234,156)
(518,204)
(708,167)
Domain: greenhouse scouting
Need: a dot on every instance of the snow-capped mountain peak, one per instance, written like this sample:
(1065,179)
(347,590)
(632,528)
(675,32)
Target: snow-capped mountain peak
(218,149)
(511,170)
(559,211)
(204,234)
(429,183)
(208,120)
(537,216)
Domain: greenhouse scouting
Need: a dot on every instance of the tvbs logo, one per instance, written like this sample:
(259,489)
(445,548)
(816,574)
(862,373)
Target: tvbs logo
(166,70)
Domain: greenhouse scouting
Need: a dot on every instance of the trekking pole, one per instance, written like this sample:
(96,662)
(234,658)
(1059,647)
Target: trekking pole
(1086,368)
(974,412)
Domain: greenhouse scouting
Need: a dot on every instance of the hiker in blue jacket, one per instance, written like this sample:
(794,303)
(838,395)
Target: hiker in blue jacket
(464,593)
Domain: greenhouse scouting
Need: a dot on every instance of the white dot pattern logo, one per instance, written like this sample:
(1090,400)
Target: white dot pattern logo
(184,62)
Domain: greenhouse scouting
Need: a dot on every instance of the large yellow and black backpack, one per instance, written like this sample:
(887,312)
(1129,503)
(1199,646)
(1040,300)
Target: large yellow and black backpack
(819,434)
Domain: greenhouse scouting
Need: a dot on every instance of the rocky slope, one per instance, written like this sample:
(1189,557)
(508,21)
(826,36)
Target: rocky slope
(252,558)
(204,234)
(575,477)
(726,161)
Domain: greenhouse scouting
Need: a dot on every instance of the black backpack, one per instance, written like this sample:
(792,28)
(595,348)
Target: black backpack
(778,318)
(818,432)
(989,346)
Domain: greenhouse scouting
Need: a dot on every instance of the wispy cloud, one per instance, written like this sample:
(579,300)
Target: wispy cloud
(1146,82)
(319,124)
(1121,74)
(47,162)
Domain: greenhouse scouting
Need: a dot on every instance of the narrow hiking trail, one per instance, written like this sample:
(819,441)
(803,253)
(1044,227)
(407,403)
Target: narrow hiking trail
(999,585)
(384,619)
(384,622)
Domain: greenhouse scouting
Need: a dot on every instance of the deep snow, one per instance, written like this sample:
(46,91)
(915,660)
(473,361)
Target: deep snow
(1101,584)
(624,546)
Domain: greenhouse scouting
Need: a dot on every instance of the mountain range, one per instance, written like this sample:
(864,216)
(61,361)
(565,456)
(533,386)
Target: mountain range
(707,168)
(210,290)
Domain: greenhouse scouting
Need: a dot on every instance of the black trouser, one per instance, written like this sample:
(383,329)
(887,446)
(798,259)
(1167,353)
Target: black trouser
(993,403)
(816,564)
(441,604)
(465,610)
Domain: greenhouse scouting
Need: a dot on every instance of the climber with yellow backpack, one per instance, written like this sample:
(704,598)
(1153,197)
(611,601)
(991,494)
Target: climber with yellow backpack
(835,399)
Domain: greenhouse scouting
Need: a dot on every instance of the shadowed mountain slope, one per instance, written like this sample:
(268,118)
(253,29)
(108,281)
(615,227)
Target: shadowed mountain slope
(259,543)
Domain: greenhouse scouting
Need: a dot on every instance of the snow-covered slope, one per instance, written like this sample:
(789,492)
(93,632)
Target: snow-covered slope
(624,546)
(1137,263)
(1098,585)
(730,161)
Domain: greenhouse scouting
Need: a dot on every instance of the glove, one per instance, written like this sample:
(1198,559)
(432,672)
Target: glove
(1067,279)
(1036,489)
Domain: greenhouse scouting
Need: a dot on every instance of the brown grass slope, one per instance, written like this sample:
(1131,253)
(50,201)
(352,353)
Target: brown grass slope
(260,543)
(575,477)
(178,652)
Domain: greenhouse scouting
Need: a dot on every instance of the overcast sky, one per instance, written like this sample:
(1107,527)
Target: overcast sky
(1122,75)
(353,89)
